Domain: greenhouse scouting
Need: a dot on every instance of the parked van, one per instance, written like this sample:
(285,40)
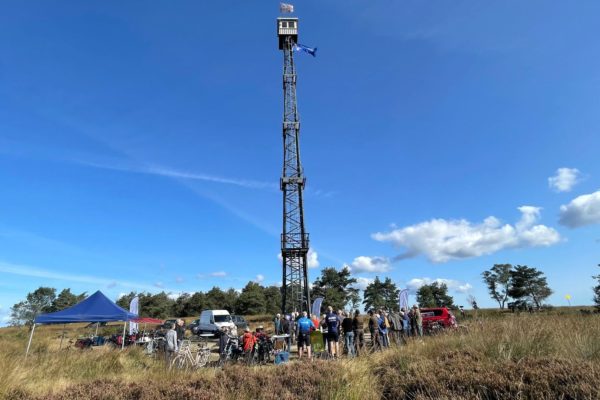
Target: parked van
(211,321)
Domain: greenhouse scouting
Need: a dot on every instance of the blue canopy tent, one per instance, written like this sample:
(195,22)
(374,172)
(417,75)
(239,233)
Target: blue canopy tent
(96,308)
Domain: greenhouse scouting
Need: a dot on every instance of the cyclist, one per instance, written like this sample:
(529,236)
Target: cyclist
(305,326)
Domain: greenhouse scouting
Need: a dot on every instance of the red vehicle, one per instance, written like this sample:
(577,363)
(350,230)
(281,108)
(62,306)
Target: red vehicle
(435,319)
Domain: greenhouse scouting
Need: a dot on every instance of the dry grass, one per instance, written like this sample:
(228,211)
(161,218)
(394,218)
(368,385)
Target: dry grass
(545,356)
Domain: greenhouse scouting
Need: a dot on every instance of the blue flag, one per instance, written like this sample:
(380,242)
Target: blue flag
(306,49)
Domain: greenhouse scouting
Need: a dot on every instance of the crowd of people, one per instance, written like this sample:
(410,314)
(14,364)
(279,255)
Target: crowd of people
(344,332)
(338,332)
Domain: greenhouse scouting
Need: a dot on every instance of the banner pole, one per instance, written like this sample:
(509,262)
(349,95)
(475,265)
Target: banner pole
(123,341)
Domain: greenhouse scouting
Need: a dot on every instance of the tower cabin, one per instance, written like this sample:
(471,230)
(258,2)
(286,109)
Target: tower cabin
(287,27)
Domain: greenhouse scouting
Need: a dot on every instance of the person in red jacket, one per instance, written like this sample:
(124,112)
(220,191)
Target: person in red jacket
(248,342)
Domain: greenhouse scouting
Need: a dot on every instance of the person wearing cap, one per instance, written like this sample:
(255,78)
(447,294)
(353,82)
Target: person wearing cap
(260,332)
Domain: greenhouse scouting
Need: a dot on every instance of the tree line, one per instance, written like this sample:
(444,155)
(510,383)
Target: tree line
(520,283)
(338,287)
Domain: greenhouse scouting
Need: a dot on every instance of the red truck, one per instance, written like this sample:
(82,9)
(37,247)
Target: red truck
(436,319)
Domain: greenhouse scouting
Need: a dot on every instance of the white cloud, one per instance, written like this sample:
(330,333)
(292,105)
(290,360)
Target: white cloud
(159,285)
(564,180)
(443,240)
(173,173)
(218,274)
(582,210)
(24,270)
(111,285)
(362,283)
(313,259)
(259,278)
(456,286)
(179,279)
(370,264)
(176,295)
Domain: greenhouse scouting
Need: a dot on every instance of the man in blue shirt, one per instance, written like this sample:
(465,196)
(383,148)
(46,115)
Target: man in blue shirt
(305,326)
(333,331)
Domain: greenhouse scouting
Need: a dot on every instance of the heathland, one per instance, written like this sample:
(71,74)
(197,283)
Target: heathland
(547,355)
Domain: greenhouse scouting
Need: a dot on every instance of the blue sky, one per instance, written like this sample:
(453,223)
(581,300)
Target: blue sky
(140,144)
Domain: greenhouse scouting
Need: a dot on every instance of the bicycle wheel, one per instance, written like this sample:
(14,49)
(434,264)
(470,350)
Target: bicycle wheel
(181,361)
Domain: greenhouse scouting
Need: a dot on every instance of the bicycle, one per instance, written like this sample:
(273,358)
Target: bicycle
(185,359)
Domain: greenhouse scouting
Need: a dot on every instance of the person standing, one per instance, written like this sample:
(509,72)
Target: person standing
(405,323)
(383,332)
(172,347)
(315,321)
(395,327)
(305,326)
(277,323)
(180,329)
(417,321)
(286,329)
(374,331)
(359,333)
(223,339)
(348,330)
(248,341)
(323,328)
(333,332)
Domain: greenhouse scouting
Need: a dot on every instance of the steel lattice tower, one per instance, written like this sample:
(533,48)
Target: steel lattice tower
(294,239)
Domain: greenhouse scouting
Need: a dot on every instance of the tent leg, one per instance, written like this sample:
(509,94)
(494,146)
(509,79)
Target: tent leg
(96,334)
(123,341)
(29,344)
(62,337)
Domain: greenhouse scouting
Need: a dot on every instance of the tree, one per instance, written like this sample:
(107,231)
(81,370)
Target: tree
(217,299)
(272,299)
(159,305)
(180,307)
(66,299)
(472,302)
(528,282)
(196,304)
(597,291)
(124,300)
(252,300)
(381,294)
(37,302)
(335,287)
(497,280)
(434,295)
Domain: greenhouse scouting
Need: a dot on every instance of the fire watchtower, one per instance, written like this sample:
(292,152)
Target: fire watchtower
(294,239)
